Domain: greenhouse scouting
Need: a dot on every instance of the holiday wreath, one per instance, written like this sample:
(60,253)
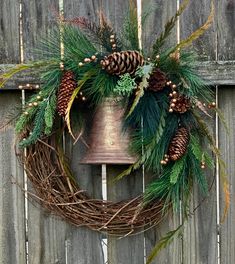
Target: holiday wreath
(86,65)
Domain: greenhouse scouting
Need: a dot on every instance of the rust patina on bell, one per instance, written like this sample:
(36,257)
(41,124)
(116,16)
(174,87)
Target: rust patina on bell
(108,143)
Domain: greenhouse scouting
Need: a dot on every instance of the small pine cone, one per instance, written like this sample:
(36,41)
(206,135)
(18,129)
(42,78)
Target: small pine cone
(157,80)
(181,105)
(67,86)
(119,63)
(179,144)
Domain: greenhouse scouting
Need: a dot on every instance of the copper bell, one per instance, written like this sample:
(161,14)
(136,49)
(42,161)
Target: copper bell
(108,143)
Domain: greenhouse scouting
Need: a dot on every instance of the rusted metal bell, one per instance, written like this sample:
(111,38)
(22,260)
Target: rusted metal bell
(108,143)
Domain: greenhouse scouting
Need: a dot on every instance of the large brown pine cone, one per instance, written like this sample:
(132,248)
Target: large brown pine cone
(122,62)
(67,86)
(179,144)
(157,80)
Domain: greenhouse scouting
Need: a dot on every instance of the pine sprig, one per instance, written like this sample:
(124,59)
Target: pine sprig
(38,127)
(50,111)
(177,169)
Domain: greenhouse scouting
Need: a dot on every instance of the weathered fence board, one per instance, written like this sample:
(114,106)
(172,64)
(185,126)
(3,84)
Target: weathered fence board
(225,19)
(12,231)
(39,17)
(227,145)
(9,31)
(193,17)
(126,250)
(159,13)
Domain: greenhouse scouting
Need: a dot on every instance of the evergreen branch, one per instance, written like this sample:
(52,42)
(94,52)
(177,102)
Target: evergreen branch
(168,28)
(164,242)
(200,31)
(177,169)
(125,85)
(130,28)
(38,127)
(50,113)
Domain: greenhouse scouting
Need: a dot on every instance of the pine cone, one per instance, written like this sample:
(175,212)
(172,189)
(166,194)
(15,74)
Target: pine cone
(67,86)
(157,80)
(122,62)
(180,104)
(179,144)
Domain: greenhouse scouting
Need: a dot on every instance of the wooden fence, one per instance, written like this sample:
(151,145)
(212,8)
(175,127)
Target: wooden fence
(32,235)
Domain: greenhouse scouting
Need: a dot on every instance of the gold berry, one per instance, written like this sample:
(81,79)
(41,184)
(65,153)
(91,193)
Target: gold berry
(172,105)
(174,86)
(174,92)
(39,97)
(30,104)
(112,36)
(174,100)
(93,57)
(170,94)
(80,64)
(26,113)
(171,110)
(35,103)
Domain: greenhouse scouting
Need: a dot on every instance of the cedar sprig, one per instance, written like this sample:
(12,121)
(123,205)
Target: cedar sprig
(125,85)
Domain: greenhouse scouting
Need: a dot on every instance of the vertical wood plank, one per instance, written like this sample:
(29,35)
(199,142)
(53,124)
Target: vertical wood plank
(200,234)
(130,249)
(9,31)
(226,33)
(12,230)
(160,12)
(192,18)
(227,146)
(39,17)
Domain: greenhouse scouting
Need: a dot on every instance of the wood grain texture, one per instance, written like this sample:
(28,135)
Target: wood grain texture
(200,234)
(227,146)
(160,12)
(39,17)
(225,19)
(193,18)
(12,230)
(130,249)
(9,31)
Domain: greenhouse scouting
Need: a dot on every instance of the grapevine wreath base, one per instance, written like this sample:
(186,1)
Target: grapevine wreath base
(55,187)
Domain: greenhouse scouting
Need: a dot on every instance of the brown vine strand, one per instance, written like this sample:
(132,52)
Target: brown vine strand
(58,192)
